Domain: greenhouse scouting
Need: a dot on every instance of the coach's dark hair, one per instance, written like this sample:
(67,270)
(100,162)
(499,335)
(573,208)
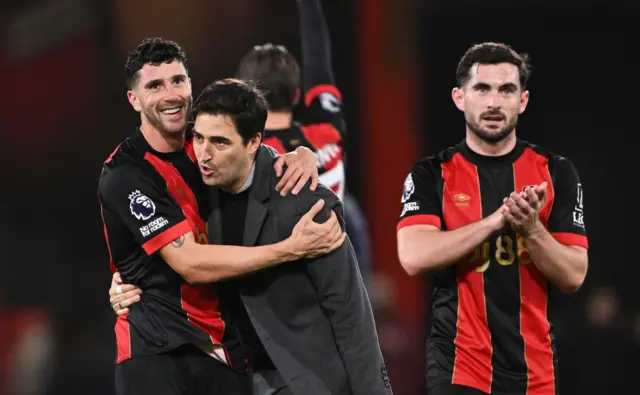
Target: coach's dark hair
(239,100)
(493,53)
(275,71)
(155,51)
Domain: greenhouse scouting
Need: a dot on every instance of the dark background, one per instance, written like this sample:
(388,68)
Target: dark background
(64,110)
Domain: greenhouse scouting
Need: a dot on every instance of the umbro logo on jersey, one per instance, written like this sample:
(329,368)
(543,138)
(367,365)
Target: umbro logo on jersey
(461,199)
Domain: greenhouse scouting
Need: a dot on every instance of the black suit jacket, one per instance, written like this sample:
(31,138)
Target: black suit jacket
(312,316)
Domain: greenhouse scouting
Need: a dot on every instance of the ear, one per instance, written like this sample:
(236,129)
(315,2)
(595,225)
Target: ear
(254,143)
(457,94)
(133,100)
(524,100)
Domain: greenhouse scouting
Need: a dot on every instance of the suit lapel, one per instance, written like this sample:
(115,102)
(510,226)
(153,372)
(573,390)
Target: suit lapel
(258,195)
(256,214)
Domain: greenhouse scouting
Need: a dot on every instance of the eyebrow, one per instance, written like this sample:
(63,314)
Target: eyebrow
(152,83)
(220,139)
(479,85)
(176,77)
(507,86)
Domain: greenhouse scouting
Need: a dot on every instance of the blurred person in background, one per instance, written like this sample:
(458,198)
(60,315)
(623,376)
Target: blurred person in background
(26,330)
(276,71)
(154,206)
(498,221)
(604,328)
(26,351)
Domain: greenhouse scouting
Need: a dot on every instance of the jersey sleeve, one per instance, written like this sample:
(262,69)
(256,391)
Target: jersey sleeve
(324,105)
(566,222)
(322,99)
(420,202)
(144,206)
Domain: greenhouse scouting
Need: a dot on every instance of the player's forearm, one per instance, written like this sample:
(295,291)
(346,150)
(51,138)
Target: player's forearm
(316,45)
(211,263)
(563,265)
(432,249)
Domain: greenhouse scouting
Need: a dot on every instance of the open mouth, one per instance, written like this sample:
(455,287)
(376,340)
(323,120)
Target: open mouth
(172,110)
(493,118)
(206,171)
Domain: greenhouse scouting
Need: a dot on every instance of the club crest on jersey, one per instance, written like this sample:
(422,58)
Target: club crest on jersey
(544,199)
(409,188)
(141,206)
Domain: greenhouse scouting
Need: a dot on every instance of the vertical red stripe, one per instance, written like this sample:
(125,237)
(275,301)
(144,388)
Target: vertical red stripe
(188,147)
(200,302)
(123,338)
(112,264)
(122,329)
(531,169)
(472,365)
(389,104)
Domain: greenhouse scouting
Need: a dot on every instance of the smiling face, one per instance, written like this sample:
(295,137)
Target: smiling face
(491,100)
(162,94)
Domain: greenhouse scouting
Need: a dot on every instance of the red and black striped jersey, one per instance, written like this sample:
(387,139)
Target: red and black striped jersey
(148,199)
(322,134)
(490,328)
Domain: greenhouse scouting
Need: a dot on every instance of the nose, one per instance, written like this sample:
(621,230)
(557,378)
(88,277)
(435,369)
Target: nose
(172,93)
(494,100)
(204,152)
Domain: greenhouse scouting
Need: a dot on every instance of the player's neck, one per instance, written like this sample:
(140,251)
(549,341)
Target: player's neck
(278,120)
(485,148)
(162,142)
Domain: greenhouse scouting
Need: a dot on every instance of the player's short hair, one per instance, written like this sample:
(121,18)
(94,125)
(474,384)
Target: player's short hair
(241,101)
(154,51)
(493,53)
(275,71)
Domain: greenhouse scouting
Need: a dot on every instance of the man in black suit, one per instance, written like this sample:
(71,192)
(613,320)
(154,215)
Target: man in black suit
(307,324)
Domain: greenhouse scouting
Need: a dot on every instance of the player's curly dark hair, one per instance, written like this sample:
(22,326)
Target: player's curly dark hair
(275,71)
(493,53)
(241,101)
(155,51)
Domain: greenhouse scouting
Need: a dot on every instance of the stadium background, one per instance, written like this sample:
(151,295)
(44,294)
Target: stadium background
(64,110)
